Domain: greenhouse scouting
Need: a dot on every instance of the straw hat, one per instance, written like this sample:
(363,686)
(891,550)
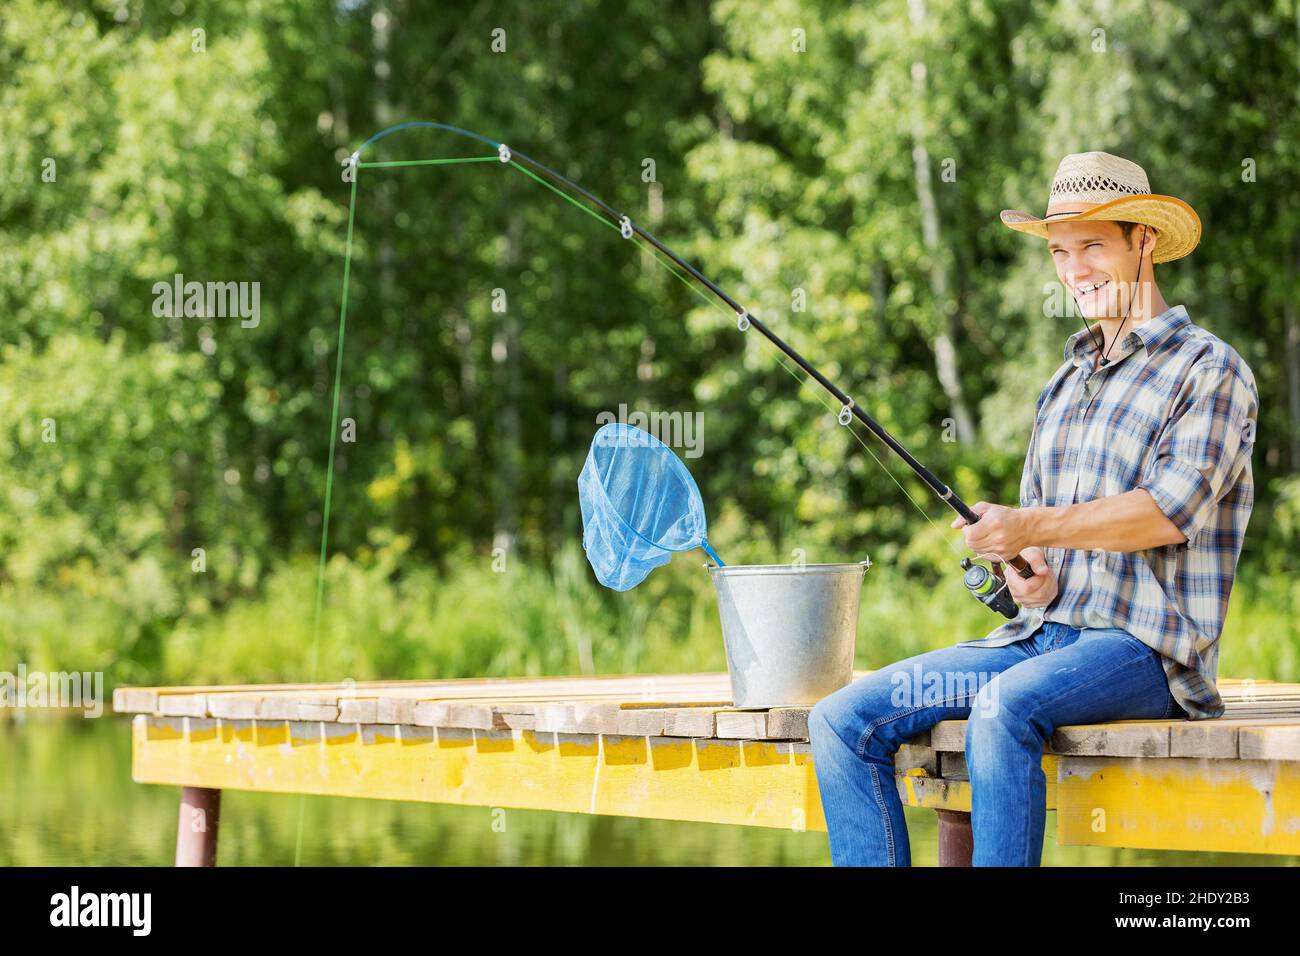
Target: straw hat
(1098,185)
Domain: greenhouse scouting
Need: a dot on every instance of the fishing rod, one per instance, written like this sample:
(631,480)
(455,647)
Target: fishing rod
(988,586)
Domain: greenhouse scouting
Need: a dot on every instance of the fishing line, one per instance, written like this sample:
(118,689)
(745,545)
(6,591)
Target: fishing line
(429,162)
(801,381)
(329,482)
(565,196)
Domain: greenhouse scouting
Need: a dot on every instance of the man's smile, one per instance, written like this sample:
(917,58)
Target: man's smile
(1088,288)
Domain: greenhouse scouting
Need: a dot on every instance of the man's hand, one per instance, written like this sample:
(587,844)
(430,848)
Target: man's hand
(1038,591)
(1000,532)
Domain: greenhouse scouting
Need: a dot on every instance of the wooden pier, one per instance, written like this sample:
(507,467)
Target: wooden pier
(671,746)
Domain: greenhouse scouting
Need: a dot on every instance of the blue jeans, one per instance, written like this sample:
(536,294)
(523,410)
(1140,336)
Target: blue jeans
(1012,698)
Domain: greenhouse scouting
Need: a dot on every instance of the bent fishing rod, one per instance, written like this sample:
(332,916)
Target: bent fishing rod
(988,587)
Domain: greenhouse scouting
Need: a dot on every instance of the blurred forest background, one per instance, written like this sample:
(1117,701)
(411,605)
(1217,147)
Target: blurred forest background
(857,154)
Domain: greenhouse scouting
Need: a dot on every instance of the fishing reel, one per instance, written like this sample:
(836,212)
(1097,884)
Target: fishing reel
(989,587)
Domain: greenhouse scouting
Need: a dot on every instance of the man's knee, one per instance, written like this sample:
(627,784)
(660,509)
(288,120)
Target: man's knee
(829,715)
(847,713)
(1000,710)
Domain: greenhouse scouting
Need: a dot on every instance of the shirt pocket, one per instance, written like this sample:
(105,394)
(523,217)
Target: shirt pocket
(1126,436)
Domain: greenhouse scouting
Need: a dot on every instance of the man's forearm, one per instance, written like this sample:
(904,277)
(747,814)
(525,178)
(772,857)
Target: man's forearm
(1127,522)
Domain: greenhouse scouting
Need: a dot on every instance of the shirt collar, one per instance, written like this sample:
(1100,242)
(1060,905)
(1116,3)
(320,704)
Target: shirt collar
(1150,334)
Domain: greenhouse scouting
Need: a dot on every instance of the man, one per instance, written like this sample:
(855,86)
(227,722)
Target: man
(1134,500)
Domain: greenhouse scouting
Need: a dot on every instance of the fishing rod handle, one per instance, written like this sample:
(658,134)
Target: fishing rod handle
(963,509)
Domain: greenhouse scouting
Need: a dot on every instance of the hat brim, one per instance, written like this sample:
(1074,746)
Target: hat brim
(1178,228)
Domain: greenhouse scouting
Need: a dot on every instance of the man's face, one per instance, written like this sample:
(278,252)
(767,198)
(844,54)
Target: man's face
(1096,264)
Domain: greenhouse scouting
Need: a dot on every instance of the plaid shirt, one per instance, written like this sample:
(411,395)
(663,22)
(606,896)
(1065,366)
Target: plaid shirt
(1173,412)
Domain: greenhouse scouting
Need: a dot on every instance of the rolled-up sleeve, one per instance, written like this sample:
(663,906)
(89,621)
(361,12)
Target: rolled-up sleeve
(1201,450)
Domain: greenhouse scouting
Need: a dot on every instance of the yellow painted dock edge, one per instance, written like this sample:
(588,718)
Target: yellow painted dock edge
(1183,804)
(1180,803)
(745,782)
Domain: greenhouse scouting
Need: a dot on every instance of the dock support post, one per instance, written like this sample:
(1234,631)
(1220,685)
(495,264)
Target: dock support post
(955,842)
(196,833)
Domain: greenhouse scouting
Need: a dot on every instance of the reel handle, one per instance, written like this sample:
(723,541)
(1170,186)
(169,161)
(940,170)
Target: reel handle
(1022,567)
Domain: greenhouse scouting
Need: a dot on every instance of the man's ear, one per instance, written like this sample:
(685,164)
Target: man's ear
(1149,245)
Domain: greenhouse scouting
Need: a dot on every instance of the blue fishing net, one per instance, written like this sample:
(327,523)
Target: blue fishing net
(639,506)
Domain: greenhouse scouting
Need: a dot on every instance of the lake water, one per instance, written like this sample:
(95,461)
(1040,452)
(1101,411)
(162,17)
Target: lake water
(67,798)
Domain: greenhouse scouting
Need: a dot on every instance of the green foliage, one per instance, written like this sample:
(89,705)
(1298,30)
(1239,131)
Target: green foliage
(790,174)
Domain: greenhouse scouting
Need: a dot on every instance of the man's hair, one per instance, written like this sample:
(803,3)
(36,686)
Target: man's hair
(1126,228)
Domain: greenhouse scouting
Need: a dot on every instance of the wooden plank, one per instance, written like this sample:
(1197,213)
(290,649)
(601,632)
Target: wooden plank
(1121,738)
(787,723)
(644,722)
(469,715)
(395,710)
(913,758)
(691,722)
(233,706)
(582,717)
(948,735)
(934,793)
(706,686)
(1260,688)
(1215,738)
(1269,743)
(145,699)
(952,765)
(660,704)
(741,724)
(182,705)
(667,721)
(398,708)
(358,710)
(131,700)
(507,718)
(1288,705)
(288,708)
(134,700)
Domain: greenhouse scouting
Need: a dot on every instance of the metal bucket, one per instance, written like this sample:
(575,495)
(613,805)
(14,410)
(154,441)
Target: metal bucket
(789,630)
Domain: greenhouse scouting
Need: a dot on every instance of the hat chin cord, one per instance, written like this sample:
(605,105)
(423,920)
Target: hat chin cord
(1127,311)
